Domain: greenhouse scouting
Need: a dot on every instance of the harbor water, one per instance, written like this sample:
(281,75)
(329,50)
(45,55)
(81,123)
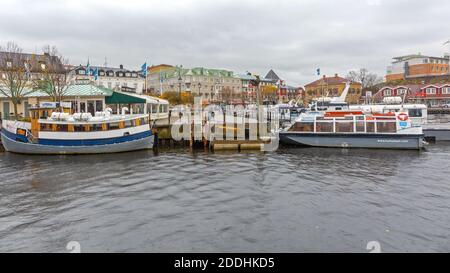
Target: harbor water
(292,200)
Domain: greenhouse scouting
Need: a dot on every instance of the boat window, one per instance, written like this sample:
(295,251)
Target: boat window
(78,128)
(96,127)
(386,127)
(344,127)
(62,127)
(360,125)
(415,113)
(45,127)
(370,126)
(303,127)
(129,123)
(113,126)
(324,127)
(142,121)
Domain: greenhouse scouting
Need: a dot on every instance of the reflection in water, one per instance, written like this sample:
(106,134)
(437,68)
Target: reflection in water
(307,199)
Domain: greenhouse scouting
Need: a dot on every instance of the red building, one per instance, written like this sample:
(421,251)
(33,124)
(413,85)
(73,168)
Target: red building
(434,95)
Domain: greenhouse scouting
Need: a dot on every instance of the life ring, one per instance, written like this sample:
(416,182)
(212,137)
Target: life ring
(402,117)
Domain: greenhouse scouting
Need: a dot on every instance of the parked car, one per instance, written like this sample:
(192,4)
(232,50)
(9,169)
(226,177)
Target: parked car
(446,105)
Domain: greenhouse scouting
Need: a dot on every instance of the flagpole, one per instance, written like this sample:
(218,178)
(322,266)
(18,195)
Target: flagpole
(146,72)
(160,82)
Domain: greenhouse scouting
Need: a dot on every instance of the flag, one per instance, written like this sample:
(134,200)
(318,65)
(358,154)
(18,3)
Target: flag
(88,69)
(318,71)
(144,69)
(95,74)
(27,69)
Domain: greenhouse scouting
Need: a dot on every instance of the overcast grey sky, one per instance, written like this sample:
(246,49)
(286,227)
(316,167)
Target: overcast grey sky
(292,37)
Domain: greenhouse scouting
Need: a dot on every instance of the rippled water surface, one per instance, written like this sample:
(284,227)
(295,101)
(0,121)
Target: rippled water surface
(294,200)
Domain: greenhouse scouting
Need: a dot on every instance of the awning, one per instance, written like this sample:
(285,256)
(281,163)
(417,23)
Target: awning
(121,98)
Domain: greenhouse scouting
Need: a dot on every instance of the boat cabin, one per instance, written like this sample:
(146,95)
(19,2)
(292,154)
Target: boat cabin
(351,122)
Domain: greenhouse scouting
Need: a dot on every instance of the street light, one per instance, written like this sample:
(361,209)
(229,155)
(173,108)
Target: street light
(180,80)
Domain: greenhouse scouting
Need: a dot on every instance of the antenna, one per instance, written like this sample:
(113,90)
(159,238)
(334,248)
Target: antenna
(106,62)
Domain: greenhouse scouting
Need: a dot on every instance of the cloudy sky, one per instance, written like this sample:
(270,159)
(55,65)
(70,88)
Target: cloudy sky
(294,37)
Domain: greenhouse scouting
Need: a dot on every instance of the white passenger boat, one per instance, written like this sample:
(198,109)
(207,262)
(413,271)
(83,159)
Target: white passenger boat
(81,133)
(354,129)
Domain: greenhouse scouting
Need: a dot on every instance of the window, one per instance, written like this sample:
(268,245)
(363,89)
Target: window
(62,127)
(401,91)
(81,72)
(128,74)
(415,113)
(9,64)
(43,66)
(109,85)
(431,90)
(129,123)
(446,90)
(96,127)
(387,92)
(78,128)
(45,127)
(113,126)
(98,105)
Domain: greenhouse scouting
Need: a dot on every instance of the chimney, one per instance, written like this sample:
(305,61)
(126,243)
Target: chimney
(336,75)
(121,66)
(324,76)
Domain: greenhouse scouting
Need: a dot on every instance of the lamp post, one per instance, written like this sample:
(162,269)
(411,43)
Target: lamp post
(200,89)
(180,80)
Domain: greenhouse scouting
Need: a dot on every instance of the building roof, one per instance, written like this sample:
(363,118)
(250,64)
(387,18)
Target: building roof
(197,71)
(413,88)
(272,75)
(328,81)
(414,56)
(33,60)
(75,90)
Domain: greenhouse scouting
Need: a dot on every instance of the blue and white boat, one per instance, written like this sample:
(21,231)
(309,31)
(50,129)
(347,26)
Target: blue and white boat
(51,132)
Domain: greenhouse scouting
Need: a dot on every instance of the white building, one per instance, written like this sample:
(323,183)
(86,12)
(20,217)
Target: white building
(118,79)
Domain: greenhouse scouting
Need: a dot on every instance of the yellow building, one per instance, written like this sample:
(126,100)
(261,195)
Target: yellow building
(332,87)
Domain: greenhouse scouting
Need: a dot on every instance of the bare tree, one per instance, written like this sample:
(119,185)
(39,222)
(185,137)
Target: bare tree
(364,77)
(229,94)
(54,76)
(14,74)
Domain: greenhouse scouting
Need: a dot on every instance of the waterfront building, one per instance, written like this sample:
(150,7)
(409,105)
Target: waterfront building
(88,98)
(417,66)
(272,88)
(199,81)
(31,63)
(430,94)
(114,78)
(331,87)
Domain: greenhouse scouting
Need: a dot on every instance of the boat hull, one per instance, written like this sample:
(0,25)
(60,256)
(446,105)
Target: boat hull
(12,145)
(336,140)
